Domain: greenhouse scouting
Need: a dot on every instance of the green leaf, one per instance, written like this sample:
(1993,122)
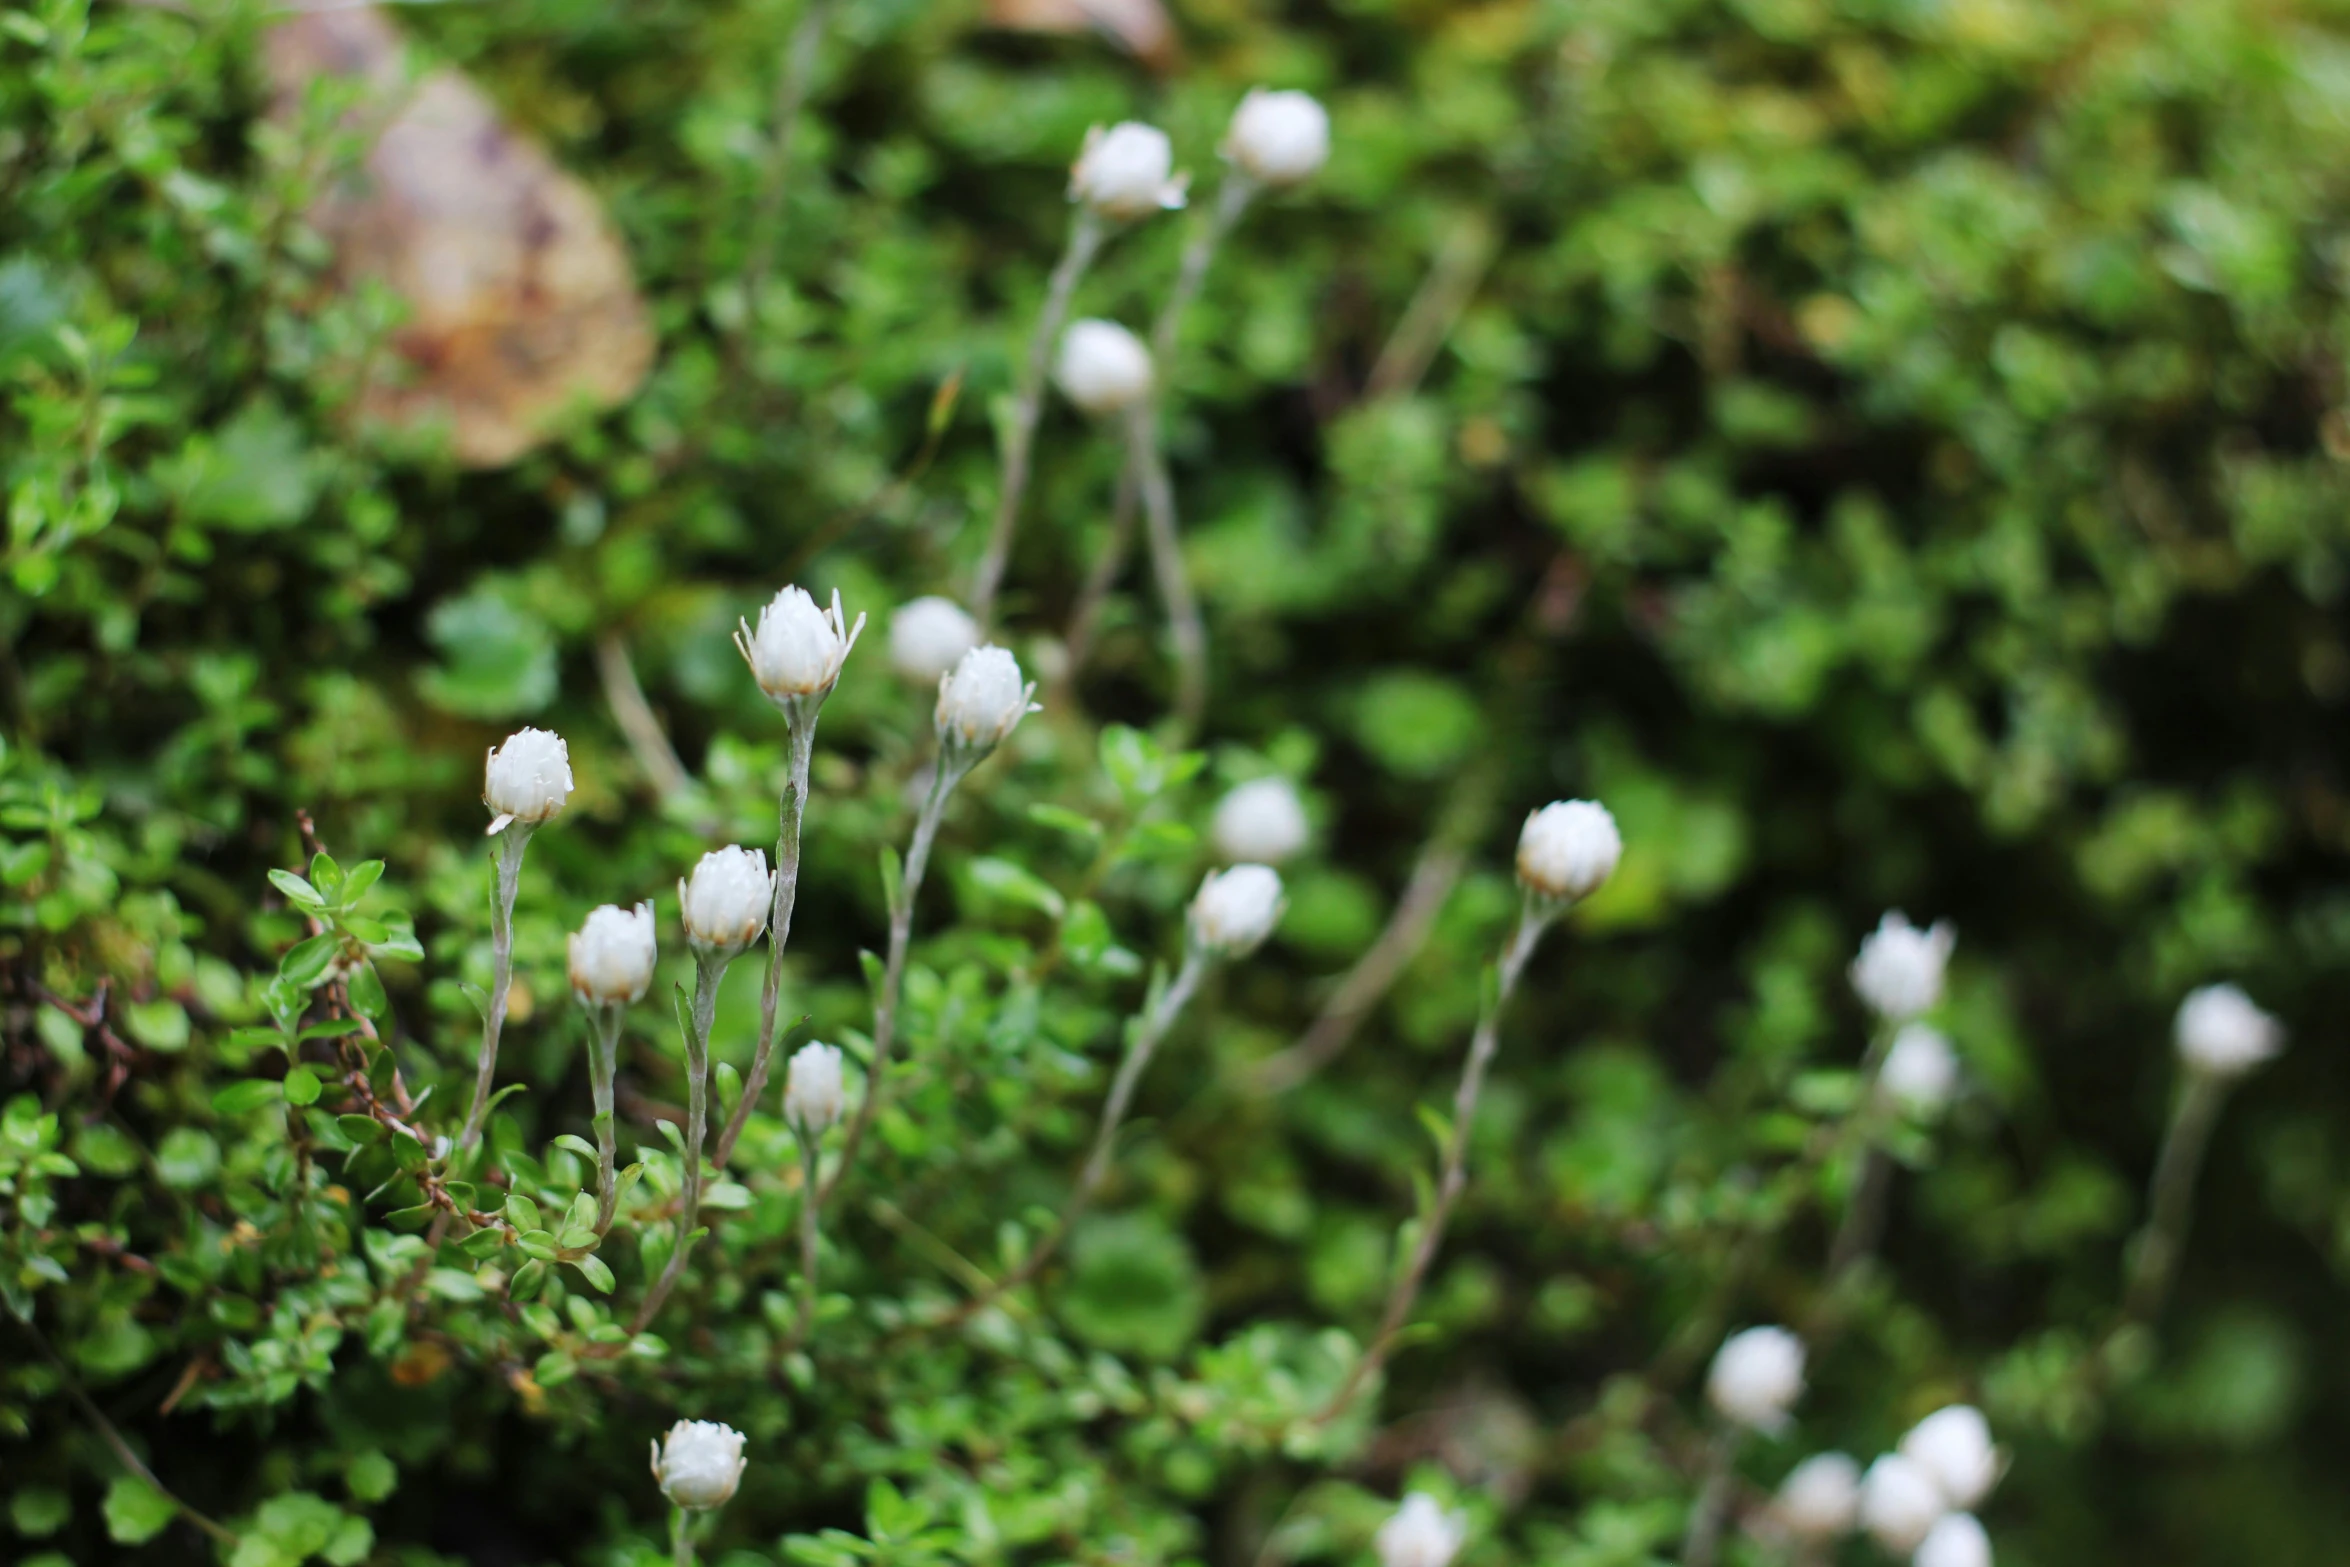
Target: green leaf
(307,963)
(135,1511)
(301,1086)
(159,1025)
(251,1094)
(366,990)
(357,880)
(593,1269)
(253,474)
(498,656)
(361,1129)
(294,887)
(526,1280)
(577,1144)
(522,1213)
(1014,883)
(39,1511)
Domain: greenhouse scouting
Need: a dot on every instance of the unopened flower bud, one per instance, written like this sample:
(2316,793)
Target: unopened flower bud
(798,648)
(1953,1446)
(699,1464)
(1102,368)
(1957,1540)
(1819,1499)
(928,636)
(612,955)
(1568,849)
(1899,1503)
(1920,1071)
(1235,910)
(1899,970)
(725,903)
(812,1094)
(1278,137)
(982,699)
(1260,821)
(528,779)
(2221,1032)
(1124,172)
(1421,1533)
(1757,1375)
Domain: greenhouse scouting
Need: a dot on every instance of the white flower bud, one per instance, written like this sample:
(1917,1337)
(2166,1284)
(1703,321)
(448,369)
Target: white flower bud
(1235,910)
(528,779)
(1568,849)
(699,1464)
(1278,137)
(812,1094)
(1757,1375)
(799,648)
(2221,1032)
(1899,970)
(725,903)
(1953,1446)
(1260,821)
(1899,1503)
(612,955)
(1955,1541)
(1920,1071)
(982,699)
(1123,172)
(1421,1533)
(1820,1498)
(1102,368)
(928,636)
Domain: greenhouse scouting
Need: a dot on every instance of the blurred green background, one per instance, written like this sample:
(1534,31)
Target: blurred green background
(1891,451)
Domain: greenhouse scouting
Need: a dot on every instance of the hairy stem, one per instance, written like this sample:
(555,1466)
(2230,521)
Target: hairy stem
(791,811)
(603,1066)
(1703,1542)
(791,95)
(506,853)
(1185,627)
(681,1539)
(2170,1201)
(1863,1223)
(1239,190)
(811,1215)
(708,969)
(1085,618)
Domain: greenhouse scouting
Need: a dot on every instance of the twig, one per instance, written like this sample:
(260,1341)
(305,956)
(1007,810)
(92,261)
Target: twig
(800,743)
(647,741)
(1188,631)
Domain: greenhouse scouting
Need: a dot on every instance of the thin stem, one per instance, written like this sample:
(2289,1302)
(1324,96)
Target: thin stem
(1704,1539)
(1239,190)
(791,95)
(1085,240)
(1487,1039)
(603,1065)
(708,969)
(1863,1224)
(648,742)
(506,852)
(1085,619)
(811,1213)
(681,1540)
(2170,1201)
(1188,631)
(949,773)
(792,810)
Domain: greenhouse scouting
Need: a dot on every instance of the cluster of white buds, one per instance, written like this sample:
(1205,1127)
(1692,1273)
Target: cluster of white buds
(1127,172)
(929,636)
(528,779)
(1956,1540)
(798,649)
(982,700)
(1917,1497)
(1820,1498)
(1920,1071)
(1235,910)
(1899,969)
(1421,1533)
(1953,1445)
(1899,1503)
(1102,368)
(2221,1033)
(1278,137)
(699,1464)
(1261,821)
(726,900)
(1756,1378)
(813,1097)
(1568,850)
(612,955)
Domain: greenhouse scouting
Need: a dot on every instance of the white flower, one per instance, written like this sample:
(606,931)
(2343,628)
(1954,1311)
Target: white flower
(982,699)
(1102,368)
(1953,1446)
(699,1463)
(612,955)
(1235,910)
(1920,1071)
(1261,821)
(1123,172)
(1899,1503)
(2221,1032)
(1568,848)
(927,636)
(799,648)
(812,1093)
(1421,1533)
(1899,970)
(1279,137)
(1819,1498)
(1956,1541)
(725,903)
(1757,1375)
(528,779)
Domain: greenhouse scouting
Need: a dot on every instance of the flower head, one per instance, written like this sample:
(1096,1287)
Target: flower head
(798,647)
(1899,969)
(928,635)
(612,955)
(1261,820)
(1421,1533)
(1278,137)
(982,699)
(528,779)
(1920,1071)
(1124,172)
(1899,1503)
(725,902)
(1235,910)
(1819,1498)
(1102,367)
(812,1094)
(1568,849)
(2221,1032)
(1953,1446)
(699,1464)
(1957,1540)
(1757,1375)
